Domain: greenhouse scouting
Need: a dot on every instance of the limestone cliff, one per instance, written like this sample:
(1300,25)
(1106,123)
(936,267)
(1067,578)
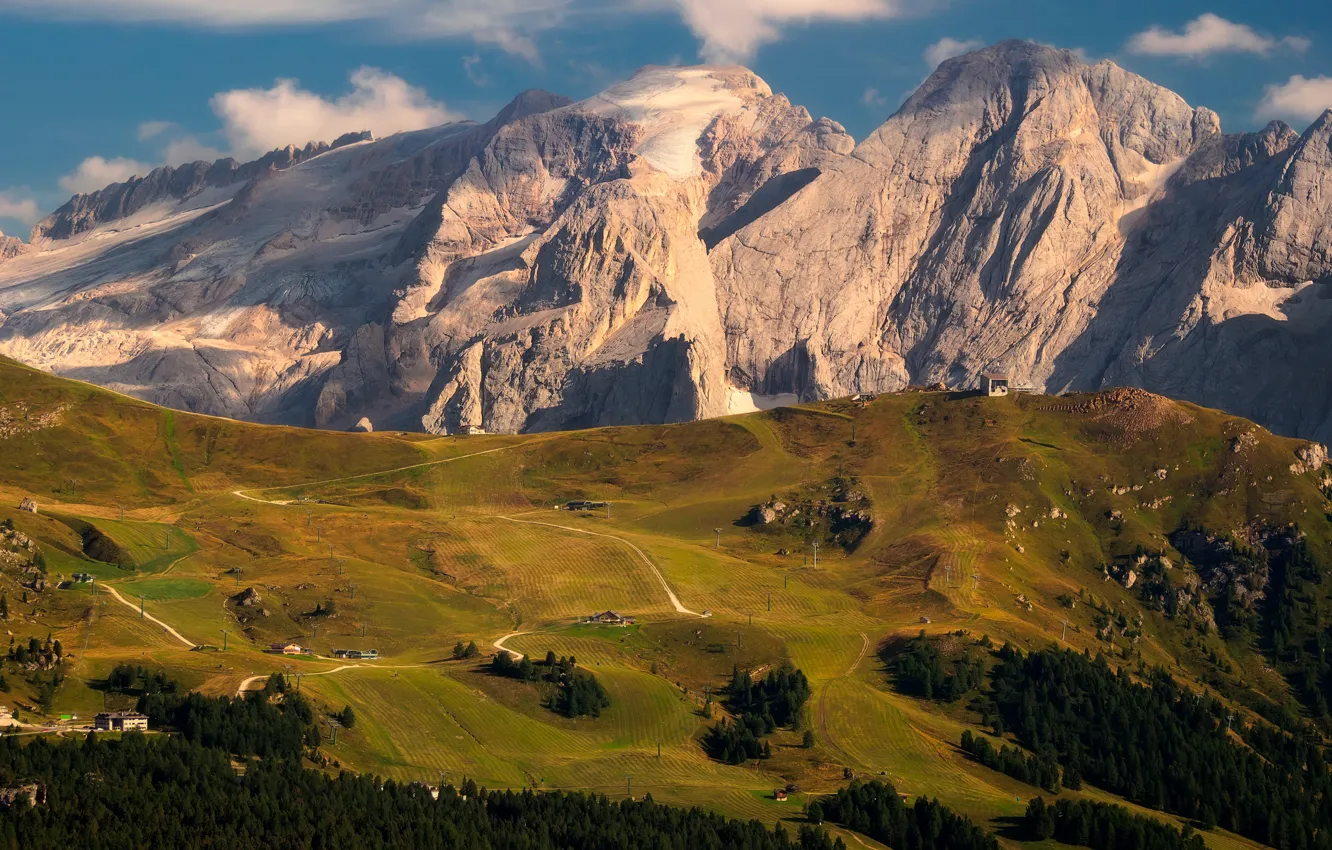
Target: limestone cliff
(687,243)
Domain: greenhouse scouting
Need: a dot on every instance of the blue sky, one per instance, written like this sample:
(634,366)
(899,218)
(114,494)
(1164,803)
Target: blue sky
(95,90)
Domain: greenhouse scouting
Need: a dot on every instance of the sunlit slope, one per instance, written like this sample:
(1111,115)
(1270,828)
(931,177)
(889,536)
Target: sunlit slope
(76,442)
(993,516)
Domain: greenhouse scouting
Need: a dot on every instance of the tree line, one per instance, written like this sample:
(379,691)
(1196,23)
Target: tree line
(877,810)
(1104,826)
(578,692)
(1041,770)
(169,791)
(760,707)
(921,670)
(1162,746)
(254,725)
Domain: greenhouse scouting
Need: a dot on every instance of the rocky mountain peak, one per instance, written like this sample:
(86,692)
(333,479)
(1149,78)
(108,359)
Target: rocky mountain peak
(688,243)
(529,102)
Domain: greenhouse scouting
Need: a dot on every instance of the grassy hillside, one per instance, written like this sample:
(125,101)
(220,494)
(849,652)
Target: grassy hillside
(1027,519)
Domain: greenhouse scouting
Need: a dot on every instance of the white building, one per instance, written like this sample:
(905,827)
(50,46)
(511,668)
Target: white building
(994,385)
(120,721)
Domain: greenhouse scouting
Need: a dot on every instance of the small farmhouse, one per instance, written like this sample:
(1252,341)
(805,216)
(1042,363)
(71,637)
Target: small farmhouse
(779,795)
(994,385)
(120,721)
(610,618)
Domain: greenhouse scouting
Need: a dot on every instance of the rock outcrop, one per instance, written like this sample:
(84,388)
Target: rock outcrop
(10,247)
(688,244)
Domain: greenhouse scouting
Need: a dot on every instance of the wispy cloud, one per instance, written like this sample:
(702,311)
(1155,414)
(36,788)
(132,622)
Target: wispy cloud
(873,97)
(472,68)
(507,24)
(97,172)
(255,121)
(189,149)
(947,48)
(153,129)
(733,30)
(18,206)
(728,30)
(1297,99)
(1210,34)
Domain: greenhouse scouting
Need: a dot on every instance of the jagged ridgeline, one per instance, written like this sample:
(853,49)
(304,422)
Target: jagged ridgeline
(694,646)
(690,243)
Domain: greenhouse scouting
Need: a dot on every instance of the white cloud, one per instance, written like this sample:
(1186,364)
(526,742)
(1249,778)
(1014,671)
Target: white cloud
(1210,34)
(507,24)
(873,97)
(472,68)
(189,149)
(233,13)
(18,206)
(730,30)
(153,129)
(733,30)
(1298,99)
(97,172)
(947,48)
(255,121)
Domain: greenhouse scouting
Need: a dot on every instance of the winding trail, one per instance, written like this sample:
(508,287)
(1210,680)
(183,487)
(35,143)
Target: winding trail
(123,601)
(499,644)
(675,600)
(243,493)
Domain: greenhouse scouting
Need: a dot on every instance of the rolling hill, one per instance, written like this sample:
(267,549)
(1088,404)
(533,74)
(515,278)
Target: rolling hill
(1156,532)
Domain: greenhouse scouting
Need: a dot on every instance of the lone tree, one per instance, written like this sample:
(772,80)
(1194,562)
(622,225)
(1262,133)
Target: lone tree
(347,717)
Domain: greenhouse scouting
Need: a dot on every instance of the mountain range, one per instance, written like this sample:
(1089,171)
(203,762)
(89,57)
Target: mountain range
(688,243)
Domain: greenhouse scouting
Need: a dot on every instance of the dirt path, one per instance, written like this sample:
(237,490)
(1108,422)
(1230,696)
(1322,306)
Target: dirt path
(499,644)
(675,600)
(823,700)
(246,682)
(115,594)
(243,493)
(864,648)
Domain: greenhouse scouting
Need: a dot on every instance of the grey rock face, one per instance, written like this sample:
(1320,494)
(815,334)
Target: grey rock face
(687,243)
(10,247)
(1076,227)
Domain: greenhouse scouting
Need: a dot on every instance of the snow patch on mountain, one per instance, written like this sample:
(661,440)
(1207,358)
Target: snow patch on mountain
(673,106)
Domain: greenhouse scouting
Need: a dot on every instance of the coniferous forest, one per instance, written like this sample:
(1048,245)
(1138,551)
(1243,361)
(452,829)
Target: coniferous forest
(877,810)
(1102,826)
(181,790)
(149,791)
(760,707)
(1164,747)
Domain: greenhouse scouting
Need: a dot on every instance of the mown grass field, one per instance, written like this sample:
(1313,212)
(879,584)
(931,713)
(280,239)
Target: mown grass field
(409,544)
